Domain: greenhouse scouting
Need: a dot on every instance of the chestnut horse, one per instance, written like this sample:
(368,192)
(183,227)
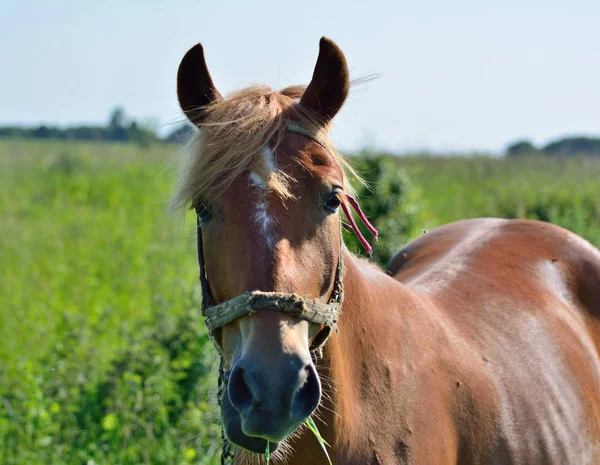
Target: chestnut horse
(479,344)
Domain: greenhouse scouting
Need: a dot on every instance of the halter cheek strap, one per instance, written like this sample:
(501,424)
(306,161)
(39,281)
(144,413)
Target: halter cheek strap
(206,299)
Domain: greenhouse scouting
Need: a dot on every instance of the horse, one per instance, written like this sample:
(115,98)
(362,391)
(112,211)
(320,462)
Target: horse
(479,344)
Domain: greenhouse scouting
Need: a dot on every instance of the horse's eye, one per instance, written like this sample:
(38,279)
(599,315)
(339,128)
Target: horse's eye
(203,212)
(333,203)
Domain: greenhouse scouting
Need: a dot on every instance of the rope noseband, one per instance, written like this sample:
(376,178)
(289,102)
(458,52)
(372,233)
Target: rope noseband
(312,310)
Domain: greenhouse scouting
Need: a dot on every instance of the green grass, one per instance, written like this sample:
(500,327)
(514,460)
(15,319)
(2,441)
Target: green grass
(104,358)
(565,191)
(103,353)
(310,423)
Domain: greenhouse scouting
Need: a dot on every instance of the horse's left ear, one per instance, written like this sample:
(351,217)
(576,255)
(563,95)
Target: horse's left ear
(195,88)
(330,83)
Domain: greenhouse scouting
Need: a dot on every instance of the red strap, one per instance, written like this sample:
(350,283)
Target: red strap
(364,219)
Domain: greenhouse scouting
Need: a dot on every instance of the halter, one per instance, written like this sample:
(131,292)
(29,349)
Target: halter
(312,310)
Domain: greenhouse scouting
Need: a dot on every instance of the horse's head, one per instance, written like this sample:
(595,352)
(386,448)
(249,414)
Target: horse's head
(267,187)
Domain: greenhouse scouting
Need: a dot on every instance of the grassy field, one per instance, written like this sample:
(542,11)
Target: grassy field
(104,359)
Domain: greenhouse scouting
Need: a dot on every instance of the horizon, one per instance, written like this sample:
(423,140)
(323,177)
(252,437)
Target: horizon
(454,78)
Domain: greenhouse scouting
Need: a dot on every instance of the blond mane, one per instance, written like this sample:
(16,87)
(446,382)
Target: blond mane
(231,137)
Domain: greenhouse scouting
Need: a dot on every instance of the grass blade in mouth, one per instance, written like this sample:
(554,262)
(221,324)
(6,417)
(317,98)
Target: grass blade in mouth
(267,453)
(313,427)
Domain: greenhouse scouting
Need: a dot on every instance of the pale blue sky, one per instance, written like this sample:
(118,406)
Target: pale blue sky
(454,75)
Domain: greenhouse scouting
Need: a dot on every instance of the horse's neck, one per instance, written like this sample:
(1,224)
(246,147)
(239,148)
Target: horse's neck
(376,332)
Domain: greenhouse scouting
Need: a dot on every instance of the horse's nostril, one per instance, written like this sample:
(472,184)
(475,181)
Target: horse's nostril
(241,392)
(273,403)
(308,396)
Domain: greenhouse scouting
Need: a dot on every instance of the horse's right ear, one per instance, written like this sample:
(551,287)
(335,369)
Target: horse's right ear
(195,88)
(330,83)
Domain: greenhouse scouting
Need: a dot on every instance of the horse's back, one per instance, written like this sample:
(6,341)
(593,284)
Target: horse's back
(524,298)
(516,258)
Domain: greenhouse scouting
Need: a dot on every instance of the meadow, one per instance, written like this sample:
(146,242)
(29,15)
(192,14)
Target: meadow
(103,355)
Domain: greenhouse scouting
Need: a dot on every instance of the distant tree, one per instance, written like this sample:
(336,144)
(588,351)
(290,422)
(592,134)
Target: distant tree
(140,135)
(520,148)
(42,132)
(133,131)
(117,117)
(116,128)
(573,146)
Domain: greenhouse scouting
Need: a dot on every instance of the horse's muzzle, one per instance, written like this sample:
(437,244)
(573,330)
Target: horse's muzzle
(269,403)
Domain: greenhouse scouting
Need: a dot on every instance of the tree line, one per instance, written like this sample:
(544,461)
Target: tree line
(567,146)
(119,128)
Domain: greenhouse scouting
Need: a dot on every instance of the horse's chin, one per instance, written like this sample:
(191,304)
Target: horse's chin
(233,432)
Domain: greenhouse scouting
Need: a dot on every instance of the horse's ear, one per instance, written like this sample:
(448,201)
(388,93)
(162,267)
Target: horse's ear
(329,86)
(195,88)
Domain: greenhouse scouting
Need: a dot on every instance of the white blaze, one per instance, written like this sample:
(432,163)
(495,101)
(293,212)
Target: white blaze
(261,214)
